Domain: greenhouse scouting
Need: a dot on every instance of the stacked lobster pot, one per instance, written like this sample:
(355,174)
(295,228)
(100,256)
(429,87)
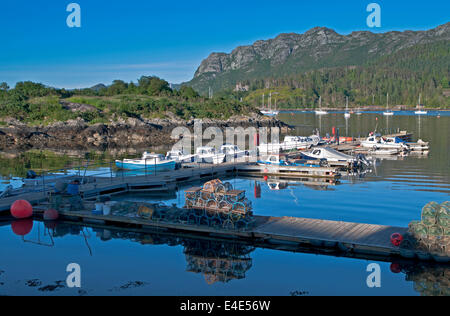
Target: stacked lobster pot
(218,261)
(217,204)
(431,235)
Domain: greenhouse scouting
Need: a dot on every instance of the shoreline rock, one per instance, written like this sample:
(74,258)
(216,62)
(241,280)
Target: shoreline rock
(121,133)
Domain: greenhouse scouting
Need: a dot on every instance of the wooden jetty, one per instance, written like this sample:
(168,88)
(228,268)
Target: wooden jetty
(352,239)
(96,186)
(290,171)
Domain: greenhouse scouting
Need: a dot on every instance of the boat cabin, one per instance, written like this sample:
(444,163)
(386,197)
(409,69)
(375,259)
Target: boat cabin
(206,151)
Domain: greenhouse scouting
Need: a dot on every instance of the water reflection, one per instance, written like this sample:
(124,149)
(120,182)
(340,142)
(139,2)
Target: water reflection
(217,260)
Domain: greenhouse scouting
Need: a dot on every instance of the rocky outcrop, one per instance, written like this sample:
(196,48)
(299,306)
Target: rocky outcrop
(292,53)
(121,133)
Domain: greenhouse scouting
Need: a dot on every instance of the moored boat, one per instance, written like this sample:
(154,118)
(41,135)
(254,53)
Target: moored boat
(180,156)
(232,152)
(209,155)
(148,163)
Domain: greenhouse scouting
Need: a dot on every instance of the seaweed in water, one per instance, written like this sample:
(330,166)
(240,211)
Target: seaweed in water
(130,285)
(52,288)
(33,283)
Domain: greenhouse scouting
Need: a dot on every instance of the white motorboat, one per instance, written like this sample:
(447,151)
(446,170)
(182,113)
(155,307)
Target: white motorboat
(290,143)
(180,156)
(232,152)
(328,154)
(270,113)
(209,155)
(376,143)
(299,142)
(148,163)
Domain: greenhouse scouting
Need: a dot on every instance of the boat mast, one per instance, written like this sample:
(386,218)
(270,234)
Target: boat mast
(387,106)
(270,101)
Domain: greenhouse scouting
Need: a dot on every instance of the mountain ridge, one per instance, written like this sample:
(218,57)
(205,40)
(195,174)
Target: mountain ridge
(317,48)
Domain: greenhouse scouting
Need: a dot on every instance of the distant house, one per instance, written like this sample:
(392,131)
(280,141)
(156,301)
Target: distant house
(241,87)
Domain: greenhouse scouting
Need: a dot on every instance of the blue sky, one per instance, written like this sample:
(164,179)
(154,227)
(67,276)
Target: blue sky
(127,39)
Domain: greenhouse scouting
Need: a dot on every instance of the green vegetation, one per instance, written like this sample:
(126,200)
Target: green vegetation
(150,98)
(420,69)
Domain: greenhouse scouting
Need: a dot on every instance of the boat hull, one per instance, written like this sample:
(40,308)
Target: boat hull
(165,166)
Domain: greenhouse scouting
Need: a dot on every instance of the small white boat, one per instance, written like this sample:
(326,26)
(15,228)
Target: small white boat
(270,113)
(299,142)
(232,152)
(148,163)
(209,155)
(320,111)
(347,113)
(328,154)
(420,112)
(388,112)
(180,156)
(376,143)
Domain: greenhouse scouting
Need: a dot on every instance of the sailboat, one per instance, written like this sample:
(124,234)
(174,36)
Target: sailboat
(388,112)
(320,111)
(269,111)
(420,112)
(347,113)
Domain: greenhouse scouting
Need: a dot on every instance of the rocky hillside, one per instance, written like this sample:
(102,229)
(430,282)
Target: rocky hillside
(292,53)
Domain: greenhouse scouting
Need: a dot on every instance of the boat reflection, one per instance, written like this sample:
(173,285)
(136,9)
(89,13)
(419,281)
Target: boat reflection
(223,261)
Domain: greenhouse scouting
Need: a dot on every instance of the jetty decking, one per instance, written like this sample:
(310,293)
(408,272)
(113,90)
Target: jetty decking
(289,171)
(96,186)
(351,238)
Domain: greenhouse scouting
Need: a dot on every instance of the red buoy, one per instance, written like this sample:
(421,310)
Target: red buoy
(51,215)
(266,178)
(21,209)
(396,239)
(22,227)
(396,268)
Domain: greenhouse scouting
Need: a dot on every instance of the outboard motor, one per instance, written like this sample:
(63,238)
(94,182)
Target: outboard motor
(31,174)
(362,159)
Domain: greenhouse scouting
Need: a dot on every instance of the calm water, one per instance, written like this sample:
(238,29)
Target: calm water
(126,263)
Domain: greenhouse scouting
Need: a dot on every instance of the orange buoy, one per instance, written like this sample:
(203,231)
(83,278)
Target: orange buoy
(22,227)
(21,209)
(51,215)
(396,239)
